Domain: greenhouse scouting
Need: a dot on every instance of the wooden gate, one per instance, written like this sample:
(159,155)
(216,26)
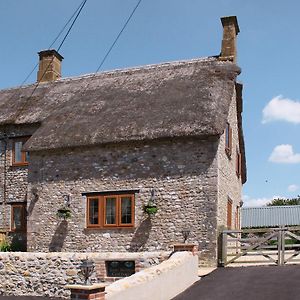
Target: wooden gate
(276,246)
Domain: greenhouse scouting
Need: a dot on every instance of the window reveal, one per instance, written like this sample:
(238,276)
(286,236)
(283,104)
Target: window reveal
(110,211)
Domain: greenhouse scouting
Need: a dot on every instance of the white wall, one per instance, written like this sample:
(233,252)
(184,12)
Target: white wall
(161,282)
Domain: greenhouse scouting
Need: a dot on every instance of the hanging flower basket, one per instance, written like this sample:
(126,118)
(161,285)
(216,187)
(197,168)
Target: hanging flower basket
(150,209)
(64,213)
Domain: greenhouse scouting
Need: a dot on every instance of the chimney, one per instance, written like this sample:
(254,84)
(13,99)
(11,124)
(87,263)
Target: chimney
(49,66)
(230,31)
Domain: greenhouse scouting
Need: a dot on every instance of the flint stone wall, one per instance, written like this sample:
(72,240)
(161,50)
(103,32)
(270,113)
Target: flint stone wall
(183,173)
(46,274)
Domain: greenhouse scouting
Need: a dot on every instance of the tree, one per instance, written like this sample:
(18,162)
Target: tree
(281,201)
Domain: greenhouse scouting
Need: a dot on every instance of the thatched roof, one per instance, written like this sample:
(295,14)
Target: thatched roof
(188,98)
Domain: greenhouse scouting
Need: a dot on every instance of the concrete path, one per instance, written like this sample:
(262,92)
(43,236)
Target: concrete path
(247,283)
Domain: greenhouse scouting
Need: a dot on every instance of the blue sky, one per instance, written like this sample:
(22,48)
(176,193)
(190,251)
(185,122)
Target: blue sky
(268,53)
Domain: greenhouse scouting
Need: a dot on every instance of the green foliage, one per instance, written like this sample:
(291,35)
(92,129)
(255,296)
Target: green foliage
(5,246)
(281,202)
(64,213)
(150,209)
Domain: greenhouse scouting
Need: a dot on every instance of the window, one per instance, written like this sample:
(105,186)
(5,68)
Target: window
(19,157)
(110,211)
(229,213)
(228,139)
(18,217)
(238,163)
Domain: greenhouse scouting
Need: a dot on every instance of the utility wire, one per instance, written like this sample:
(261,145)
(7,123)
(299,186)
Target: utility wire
(66,35)
(62,42)
(118,36)
(56,38)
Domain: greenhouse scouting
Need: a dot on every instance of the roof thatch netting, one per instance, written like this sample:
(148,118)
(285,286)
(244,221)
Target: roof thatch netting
(189,98)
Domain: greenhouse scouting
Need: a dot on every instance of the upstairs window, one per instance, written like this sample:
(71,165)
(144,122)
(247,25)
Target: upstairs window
(228,139)
(113,211)
(19,157)
(18,217)
(238,163)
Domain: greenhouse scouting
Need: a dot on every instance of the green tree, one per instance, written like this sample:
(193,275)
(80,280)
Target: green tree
(280,201)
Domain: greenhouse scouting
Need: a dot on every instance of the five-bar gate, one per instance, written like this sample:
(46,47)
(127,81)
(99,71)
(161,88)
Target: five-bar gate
(276,246)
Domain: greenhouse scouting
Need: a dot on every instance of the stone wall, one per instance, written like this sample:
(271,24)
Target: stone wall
(13,179)
(178,171)
(229,184)
(46,274)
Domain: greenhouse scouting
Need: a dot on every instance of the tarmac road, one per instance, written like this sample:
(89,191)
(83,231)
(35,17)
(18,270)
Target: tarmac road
(247,283)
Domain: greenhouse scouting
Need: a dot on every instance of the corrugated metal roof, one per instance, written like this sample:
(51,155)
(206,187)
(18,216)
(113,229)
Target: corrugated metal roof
(270,216)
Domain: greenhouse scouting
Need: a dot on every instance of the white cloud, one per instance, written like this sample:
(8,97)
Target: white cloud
(282,109)
(284,154)
(258,202)
(255,202)
(293,188)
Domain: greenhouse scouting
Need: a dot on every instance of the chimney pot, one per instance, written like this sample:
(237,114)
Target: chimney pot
(230,32)
(49,65)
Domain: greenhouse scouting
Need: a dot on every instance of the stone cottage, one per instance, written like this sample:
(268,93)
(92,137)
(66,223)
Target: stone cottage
(100,147)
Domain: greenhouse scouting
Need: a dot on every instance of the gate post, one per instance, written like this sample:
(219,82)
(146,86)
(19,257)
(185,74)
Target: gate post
(279,242)
(224,249)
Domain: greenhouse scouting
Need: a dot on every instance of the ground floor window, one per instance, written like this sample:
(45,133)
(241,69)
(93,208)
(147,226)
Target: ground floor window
(110,211)
(229,213)
(18,217)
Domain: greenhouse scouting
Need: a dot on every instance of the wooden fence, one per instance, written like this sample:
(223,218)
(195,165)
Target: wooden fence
(277,246)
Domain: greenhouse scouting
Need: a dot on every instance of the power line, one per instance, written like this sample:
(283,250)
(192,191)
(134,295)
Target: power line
(118,36)
(62,42)
(56,38)
(66,35)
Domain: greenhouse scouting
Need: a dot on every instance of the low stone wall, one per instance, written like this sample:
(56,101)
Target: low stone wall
(160,282)
(46,274)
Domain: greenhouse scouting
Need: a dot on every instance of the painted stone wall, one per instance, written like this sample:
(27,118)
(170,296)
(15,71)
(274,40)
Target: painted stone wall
(230,185)
(46,274)
(178,170)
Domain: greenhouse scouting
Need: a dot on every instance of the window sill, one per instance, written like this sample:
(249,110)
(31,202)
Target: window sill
(109,228)
(20,165)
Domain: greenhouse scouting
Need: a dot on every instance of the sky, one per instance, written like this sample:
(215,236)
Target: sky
(169,30)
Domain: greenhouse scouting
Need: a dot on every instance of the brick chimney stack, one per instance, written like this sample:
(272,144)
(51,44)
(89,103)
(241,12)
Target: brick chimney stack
(230,32)
(49,66)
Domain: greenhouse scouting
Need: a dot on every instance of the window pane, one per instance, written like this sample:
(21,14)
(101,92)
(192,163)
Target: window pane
(26,156)
(93,211)
(18,153)
(126,204)
(110,210)
(17,218)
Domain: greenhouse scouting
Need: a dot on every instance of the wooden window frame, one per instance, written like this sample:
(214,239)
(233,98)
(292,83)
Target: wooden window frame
(102,211)
(23,217)
(229,213)
(23,161)
(228,140)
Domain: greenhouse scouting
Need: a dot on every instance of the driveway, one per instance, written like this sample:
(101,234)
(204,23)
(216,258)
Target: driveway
(27,298)
(247,283)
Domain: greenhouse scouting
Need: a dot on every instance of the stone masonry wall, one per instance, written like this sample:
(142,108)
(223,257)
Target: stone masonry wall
(13,179)
(230,185)
(178,171)
(46,274)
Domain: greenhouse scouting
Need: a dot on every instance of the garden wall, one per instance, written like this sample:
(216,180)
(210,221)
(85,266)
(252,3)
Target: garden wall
(46,274)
